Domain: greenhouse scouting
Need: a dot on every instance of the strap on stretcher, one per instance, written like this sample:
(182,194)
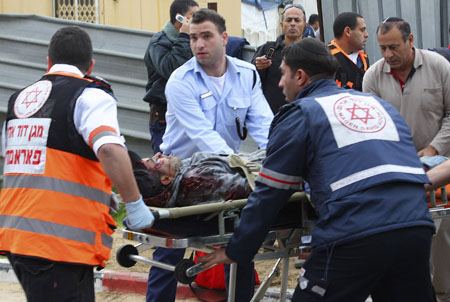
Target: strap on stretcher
(178,212)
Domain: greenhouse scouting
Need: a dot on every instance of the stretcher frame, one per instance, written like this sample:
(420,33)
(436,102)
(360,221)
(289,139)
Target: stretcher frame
(291,242)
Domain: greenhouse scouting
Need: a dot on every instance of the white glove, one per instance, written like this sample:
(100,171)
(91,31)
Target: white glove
(139,215)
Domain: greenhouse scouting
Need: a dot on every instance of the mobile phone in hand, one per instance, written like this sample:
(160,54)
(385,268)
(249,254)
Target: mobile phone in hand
(179,18)
(269,53)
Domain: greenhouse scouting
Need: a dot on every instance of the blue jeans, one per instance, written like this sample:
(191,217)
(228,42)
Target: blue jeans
(157,131)
(162,285)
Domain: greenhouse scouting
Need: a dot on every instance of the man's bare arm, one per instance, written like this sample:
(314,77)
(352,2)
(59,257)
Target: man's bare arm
(439,176)
(117,165)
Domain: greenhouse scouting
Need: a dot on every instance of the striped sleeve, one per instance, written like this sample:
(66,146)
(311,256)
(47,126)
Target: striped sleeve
(287,152)
(95,118)
(279,180)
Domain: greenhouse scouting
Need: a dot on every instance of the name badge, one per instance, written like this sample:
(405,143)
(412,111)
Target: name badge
(205,95)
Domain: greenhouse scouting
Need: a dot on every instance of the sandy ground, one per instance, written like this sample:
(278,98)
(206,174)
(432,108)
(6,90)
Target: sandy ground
(12,292)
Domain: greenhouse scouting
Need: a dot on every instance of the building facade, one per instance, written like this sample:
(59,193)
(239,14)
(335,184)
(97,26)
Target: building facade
(150,15)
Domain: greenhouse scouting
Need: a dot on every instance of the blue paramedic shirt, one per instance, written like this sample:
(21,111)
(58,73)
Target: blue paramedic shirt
(198,119)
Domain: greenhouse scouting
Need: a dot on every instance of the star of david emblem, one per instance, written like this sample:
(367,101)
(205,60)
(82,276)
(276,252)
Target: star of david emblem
(34,99)
(360,113)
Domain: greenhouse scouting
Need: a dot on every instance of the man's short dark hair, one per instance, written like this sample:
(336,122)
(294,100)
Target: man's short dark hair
(312,56)
(313,19)
(343,20)
(180,7)
(391,22)
(71,45)
(205,14)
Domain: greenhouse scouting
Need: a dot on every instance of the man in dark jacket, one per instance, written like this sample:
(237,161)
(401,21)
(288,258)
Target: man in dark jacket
(366,180)
(350,36)
(267,58)
(167,50)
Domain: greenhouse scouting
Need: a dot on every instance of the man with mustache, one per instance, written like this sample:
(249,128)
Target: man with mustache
(417,83)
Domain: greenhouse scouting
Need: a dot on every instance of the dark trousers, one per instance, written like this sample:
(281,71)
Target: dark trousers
(162,284)
(157,131)
(391,267)
(157,124)
(48,281)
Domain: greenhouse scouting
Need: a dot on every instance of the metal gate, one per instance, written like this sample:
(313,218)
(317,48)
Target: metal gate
(429,19)
(78,10)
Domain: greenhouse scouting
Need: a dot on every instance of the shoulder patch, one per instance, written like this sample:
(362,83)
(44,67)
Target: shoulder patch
(32,98)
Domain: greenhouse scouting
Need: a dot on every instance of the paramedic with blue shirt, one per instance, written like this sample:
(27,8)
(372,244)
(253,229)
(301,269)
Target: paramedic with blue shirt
(211,102)
(212,99)
(373,232)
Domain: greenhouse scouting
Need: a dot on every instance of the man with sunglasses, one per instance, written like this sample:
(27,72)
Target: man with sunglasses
(417,83)
(267,57)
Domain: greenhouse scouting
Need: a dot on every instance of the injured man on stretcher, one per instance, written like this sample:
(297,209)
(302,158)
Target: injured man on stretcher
(167,182)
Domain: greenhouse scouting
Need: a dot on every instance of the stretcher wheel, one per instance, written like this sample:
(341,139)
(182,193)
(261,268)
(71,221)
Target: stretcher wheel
(180,271)
(123,254)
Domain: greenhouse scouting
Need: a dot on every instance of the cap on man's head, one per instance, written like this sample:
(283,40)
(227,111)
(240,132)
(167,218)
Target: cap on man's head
(314,47)
(312,56)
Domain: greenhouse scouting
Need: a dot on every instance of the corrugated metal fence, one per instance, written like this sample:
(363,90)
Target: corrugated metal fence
(429,19)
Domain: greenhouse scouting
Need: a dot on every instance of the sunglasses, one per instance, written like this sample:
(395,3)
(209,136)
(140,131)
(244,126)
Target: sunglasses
(393,19)
(293,5)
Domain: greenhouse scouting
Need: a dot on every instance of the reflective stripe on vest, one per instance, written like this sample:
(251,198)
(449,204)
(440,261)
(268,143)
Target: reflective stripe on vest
(278,180)
(361,175)
(59,212)
(56,185)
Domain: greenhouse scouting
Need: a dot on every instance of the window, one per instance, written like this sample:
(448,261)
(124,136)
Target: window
(79,10)
(212,5)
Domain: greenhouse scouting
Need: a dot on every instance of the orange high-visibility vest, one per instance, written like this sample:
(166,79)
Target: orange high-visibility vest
(56,197)
(348,75)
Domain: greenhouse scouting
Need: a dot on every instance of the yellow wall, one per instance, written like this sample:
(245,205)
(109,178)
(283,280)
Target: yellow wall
(152,15)
(148,15)
(231,11)
(44,8)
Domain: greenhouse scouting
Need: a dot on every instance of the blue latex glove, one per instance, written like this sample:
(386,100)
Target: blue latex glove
(432,161)
(139,215)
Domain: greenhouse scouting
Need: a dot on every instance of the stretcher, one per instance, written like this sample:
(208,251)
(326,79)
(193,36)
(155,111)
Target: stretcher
(291,232)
